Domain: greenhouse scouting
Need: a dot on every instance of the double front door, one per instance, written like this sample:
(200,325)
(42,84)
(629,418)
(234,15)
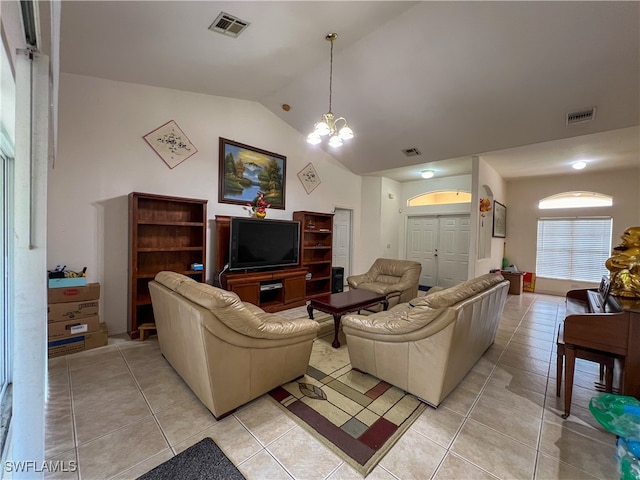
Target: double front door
(441,245)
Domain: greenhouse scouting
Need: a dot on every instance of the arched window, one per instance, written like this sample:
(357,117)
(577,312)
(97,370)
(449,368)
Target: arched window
(439,198)
(576,200)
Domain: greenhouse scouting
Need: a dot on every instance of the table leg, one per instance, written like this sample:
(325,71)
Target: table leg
(310,311)
(569,366)
(336,323)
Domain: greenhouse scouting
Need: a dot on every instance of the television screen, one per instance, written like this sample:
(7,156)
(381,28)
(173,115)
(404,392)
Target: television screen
(256,243)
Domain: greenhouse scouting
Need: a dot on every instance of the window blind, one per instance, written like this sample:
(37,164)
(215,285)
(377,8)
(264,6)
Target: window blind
(573,248)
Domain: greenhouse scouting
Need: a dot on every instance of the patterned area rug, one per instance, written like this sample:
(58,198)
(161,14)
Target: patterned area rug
(356,415)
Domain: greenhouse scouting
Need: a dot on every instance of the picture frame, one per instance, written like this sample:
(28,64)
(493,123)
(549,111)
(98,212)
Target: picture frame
(309,178)
(170,143)
(499,220)
(245,170)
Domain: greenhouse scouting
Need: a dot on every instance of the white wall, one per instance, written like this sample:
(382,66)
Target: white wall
(102,158)
(391,218)
(523,214)
(492,179)
(371,224)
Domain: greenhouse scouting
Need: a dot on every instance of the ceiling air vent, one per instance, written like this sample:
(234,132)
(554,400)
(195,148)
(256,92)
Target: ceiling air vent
(582,116)
(228,25)
(411,152)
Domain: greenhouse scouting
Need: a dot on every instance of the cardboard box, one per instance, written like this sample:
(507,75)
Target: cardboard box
(74,294)
(66,346)
(67,282)
(97,339)
(70,328)
(516,281)
(59,312)
(79,343)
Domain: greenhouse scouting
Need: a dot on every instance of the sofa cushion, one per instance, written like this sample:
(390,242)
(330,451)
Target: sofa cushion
(172,280)
(388,270)
(450,296)
(400,320)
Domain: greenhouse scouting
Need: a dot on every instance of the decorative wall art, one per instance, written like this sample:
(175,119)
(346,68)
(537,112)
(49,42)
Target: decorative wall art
(170,143)
(245,171)
(309,178)
(499,220)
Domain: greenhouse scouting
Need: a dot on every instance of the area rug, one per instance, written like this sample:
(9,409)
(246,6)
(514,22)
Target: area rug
(356,415)
(202,461)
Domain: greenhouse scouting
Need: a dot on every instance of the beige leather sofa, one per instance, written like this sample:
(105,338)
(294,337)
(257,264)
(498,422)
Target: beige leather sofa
(428,345)
(227,351)
(397,279)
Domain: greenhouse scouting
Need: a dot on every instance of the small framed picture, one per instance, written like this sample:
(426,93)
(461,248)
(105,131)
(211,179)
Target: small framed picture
(499,220)
(309,178)
(170,143)
(245,171)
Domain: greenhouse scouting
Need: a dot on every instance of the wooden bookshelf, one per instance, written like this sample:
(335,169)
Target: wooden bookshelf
(165,233)
(316,250)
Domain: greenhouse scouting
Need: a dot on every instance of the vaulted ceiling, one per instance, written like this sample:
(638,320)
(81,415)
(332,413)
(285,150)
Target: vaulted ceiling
(451,79)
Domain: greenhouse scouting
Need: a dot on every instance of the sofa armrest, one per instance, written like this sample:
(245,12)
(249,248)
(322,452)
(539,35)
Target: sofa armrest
(355,280)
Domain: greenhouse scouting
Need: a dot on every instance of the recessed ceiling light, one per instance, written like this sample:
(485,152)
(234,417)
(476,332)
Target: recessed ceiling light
(427,173)
(579,165)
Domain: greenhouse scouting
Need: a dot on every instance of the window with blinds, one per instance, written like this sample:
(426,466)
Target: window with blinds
(573,248)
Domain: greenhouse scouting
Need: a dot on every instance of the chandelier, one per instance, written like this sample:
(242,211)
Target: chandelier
(336,128)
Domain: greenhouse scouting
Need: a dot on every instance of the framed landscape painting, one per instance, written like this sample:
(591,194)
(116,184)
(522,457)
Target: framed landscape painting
(499,220)
(244,171)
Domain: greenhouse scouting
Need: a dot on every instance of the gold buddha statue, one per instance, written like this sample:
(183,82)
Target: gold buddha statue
(624,265)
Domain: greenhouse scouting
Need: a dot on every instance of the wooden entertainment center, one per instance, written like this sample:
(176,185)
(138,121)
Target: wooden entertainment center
(271,290)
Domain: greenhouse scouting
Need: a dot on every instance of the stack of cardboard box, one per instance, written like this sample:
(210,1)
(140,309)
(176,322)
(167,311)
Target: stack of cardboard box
(73,321)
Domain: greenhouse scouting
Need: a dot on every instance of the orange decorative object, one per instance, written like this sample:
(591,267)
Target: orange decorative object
(485,206)
(259,206)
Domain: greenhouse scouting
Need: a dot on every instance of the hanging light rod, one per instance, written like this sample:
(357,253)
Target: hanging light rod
(336,128)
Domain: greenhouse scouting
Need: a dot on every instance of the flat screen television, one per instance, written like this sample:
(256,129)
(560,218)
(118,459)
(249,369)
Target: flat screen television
(261,244)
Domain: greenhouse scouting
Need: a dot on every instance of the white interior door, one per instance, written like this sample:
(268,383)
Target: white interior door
(453,250)
(342,240)
(441,245)
(422,245)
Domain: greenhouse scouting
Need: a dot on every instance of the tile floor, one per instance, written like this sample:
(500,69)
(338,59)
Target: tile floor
(121,410)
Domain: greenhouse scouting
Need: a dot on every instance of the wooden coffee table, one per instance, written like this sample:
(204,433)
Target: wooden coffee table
(337,304)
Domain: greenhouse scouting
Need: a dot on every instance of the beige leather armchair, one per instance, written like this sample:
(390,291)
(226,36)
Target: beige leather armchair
(397,279)
(428,345)
(227,351)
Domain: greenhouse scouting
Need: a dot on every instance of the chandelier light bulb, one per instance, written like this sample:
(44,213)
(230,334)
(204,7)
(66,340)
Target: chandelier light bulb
(335,141)
(321,128)
(427,173)
(329,125)
(346,133)
(313,138)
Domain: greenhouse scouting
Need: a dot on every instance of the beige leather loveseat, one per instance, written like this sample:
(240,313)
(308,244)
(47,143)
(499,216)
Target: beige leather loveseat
(227,351)
(428,345)
(397,279)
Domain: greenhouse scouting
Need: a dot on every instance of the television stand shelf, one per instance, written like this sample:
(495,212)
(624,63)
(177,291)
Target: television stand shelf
(271,290)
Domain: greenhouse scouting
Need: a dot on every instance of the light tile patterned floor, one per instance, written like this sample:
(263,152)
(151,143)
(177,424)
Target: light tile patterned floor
(121,410)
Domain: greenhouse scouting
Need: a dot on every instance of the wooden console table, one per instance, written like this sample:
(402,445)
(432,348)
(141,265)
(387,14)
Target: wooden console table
(271,290)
